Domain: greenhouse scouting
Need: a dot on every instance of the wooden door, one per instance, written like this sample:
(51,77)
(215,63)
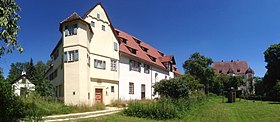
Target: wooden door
(98,96)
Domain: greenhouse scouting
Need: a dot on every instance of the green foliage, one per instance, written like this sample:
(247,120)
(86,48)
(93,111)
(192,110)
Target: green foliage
(11,107)
(8,26)
(44,88)
(272,56)
(221,82)
(235,82)
(177,87)
(199,67)
(259,86)
(165,108)
(16,70)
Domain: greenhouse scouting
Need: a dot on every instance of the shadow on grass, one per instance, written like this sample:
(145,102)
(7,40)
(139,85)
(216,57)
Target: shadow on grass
(274,103)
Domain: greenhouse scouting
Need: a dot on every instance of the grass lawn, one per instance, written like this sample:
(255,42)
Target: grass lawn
(214,111)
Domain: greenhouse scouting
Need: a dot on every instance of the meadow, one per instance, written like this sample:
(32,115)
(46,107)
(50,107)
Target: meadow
(214,110)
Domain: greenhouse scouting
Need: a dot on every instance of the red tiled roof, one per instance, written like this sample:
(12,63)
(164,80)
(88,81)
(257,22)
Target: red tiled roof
(141,53)
(235,66)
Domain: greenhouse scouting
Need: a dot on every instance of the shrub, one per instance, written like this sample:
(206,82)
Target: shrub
(177,87)
(11,107)
(165,107)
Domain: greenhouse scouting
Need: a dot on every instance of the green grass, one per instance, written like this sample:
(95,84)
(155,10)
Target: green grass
(214,111)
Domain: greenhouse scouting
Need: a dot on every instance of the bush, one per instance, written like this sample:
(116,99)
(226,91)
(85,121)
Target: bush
(176,88)
(165,107)
(11,107)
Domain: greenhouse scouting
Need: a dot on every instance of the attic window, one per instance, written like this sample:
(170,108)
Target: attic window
(152,58)
(238,70)
(118,32)
(98,16)
(161,53)
(220,71)
(137,41)
(124,40)
(144,49)
(133,51)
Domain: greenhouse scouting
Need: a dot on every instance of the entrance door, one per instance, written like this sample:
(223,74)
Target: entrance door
(98,96)
(143,89)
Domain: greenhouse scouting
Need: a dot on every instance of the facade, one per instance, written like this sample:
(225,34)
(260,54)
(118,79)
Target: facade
(89,61)
(236,68)
(22,86)
(141,66)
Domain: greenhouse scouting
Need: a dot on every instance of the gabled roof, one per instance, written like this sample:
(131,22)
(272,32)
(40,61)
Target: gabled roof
(133,42)
(236,67)
(73,17)
(111,25)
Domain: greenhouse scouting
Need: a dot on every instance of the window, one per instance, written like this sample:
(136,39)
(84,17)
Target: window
(238,70)
(53,75)
(220,71)
(131,88)
(134,65)
(88,95)
(56,54)
(71,56)
(165,77)
(115,46)
(112,89)
(88,60)
(133,51)
(98,16)
(103,27)
(137,41)
(124,40)
(92,24)
(146,68)
(71,30)
(144,49)
(152,58)
(113,65)
(99,64)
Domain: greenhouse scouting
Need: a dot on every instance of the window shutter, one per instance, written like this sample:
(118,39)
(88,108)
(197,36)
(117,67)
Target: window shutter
(65,56)
(76,55)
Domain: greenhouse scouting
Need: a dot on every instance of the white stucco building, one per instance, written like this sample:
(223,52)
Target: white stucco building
(22,86)
(91,63)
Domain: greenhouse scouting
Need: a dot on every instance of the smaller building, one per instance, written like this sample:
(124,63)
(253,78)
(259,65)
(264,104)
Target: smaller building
(237,68)
(22,86)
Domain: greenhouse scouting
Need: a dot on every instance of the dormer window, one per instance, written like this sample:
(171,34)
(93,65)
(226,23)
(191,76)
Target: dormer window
(238,70)
(133,51)
(137,41)
(124,40)
(144,49)
(152,58)
(220,71)
(98,15)
(161,53)
(118,32)
(70,30)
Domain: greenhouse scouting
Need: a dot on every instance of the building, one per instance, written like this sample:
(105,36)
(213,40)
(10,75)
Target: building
(92,64)
(141,66)
(235,68)
(22,86)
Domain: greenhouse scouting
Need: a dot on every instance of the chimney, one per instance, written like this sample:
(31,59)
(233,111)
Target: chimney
(231,61)
(222,60)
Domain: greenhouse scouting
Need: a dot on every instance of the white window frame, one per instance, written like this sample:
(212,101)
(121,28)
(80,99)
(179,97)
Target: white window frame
(99,64)
(146,68)
(103,27)
(113,65)
(134,65)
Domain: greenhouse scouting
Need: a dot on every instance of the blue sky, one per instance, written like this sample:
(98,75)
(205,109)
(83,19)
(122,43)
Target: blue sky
(220,29)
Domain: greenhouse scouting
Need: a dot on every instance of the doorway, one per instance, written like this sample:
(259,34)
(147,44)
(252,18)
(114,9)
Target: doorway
(98,96)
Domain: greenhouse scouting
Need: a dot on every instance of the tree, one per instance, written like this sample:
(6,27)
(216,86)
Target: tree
(9,27)
(199,67)
(40,68)
(12,108)
(272,56)
(221,82)
(16,70)
(44,88)
(259,86)
(176,88)
(31,72)
(235,82)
